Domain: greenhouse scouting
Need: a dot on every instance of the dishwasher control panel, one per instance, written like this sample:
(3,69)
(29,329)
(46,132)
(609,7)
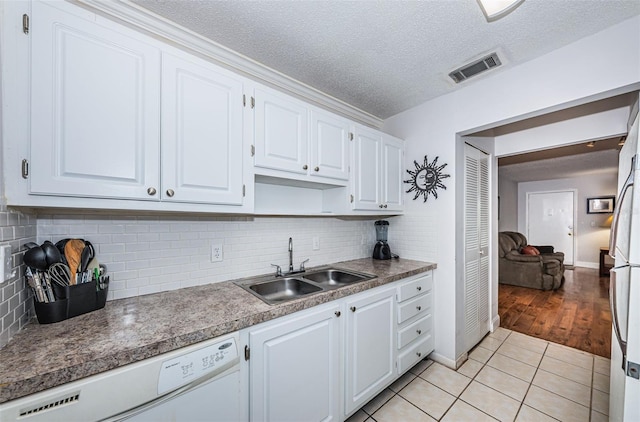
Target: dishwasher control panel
(208,361)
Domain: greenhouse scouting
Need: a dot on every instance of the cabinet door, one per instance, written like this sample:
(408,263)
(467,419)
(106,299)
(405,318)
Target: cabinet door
(392,157)
(281,132)
(370,347)
(294,368)
(201,132)
(95,108)
(367,145)
(329,146)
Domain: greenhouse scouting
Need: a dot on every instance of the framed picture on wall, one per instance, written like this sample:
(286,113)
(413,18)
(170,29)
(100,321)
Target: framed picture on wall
(601,205)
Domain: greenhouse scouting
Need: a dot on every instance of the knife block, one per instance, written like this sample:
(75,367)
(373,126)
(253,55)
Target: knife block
(71,301)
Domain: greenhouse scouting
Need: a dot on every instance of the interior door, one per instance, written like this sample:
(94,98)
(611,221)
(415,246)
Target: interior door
(550,217)
(476,241)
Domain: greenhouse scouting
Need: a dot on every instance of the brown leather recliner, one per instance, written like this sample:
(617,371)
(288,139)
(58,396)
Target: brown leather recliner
(544,271)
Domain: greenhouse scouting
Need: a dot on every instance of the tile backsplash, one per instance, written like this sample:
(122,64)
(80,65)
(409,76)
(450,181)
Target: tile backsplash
(16,306)
(149,254)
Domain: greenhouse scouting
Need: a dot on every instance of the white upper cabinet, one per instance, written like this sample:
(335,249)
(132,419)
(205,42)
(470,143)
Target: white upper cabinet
(117,115)
(392,157)
(377,171)
(95,109)
(329,146)
(281,132)
(201,132)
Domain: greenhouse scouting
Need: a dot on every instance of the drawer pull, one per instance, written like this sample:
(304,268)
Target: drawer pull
(305,167)
(419,308)
(419,288)
(419,332)
(337,313)
(419,354)
(353,309)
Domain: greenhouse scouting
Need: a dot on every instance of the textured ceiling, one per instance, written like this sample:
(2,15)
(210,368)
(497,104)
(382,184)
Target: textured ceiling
(384,57)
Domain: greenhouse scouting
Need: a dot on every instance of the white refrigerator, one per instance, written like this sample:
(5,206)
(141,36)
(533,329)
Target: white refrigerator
(624,291)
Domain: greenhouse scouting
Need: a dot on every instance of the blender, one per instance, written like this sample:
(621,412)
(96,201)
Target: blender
(382,250)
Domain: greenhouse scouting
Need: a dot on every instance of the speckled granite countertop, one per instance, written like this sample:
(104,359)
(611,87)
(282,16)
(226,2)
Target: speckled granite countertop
(129,330)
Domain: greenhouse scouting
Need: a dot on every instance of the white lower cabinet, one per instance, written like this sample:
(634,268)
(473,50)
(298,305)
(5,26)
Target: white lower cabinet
(294,367)
(415,320)
(326,362)
(369,336)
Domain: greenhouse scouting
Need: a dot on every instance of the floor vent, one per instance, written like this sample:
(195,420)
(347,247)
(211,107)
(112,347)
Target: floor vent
(471,69)
(51,405)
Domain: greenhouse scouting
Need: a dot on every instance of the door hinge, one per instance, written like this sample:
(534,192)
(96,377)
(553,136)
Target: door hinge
(25,169)
(351,198)
(244,191)
(247,352)
(633,370)
(351,136)
(244,100)
(253,102)
(25,24)
(253,150)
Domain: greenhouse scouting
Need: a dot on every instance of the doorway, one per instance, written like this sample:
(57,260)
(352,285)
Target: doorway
(550,220)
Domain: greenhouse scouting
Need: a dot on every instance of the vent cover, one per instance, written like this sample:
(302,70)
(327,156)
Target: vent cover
(74,397)
(465,72)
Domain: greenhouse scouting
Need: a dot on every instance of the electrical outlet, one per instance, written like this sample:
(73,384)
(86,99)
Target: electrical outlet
(316,243)
(216,252)
(5,263)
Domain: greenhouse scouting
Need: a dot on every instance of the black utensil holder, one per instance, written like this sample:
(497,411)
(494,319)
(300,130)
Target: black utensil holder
(71,301)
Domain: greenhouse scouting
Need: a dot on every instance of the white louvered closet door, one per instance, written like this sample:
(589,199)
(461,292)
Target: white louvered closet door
(476,241)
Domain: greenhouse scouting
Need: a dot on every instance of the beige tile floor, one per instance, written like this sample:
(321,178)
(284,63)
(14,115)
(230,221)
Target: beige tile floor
(508,377)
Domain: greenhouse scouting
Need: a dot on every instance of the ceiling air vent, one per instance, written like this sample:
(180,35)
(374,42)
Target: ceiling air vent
(465,72)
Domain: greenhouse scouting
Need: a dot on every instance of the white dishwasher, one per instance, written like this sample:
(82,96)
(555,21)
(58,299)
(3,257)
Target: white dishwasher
(197,383)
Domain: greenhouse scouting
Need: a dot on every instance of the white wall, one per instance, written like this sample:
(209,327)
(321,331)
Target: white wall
(590,236)
(508,193)
(566,77)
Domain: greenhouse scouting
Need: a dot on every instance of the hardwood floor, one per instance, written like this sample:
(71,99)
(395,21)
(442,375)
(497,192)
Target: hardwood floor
(576,315)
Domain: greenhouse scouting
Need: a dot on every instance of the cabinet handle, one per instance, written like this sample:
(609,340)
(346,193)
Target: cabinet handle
(419,288)
(305,167)
(419,308)
(385,205)
(353,309)
(419,354)
(337,313)
(170,193)
(151,191)
(419,332)
(380,206)
(316,169)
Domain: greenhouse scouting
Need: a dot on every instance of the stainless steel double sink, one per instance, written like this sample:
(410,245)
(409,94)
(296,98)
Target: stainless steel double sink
(294,286)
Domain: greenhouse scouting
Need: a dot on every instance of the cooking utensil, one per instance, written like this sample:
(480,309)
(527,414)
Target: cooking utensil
(87,255)
(60,274)
(73,252)
(51,252)
(36,258)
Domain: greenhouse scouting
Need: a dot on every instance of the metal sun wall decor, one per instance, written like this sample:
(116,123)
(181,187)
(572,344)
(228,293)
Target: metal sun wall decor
(426,178)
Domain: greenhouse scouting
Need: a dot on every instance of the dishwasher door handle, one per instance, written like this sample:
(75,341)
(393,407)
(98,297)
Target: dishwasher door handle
(171,394)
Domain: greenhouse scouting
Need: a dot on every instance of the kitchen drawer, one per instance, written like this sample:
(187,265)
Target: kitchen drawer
(415,354)
(415,287)
(420,328)
(413,307)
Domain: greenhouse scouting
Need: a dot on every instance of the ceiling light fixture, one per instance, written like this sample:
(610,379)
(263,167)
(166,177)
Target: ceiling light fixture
(591,144)
(495,9)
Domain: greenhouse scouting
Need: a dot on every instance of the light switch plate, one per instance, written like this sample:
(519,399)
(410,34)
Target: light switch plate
(5,263)
(316,243)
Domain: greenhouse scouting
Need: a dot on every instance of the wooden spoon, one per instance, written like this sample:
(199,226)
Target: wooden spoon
(73,251)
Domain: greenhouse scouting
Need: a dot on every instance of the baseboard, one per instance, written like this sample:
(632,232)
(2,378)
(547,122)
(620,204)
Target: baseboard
(585,264)
(449,363)
(495,323)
